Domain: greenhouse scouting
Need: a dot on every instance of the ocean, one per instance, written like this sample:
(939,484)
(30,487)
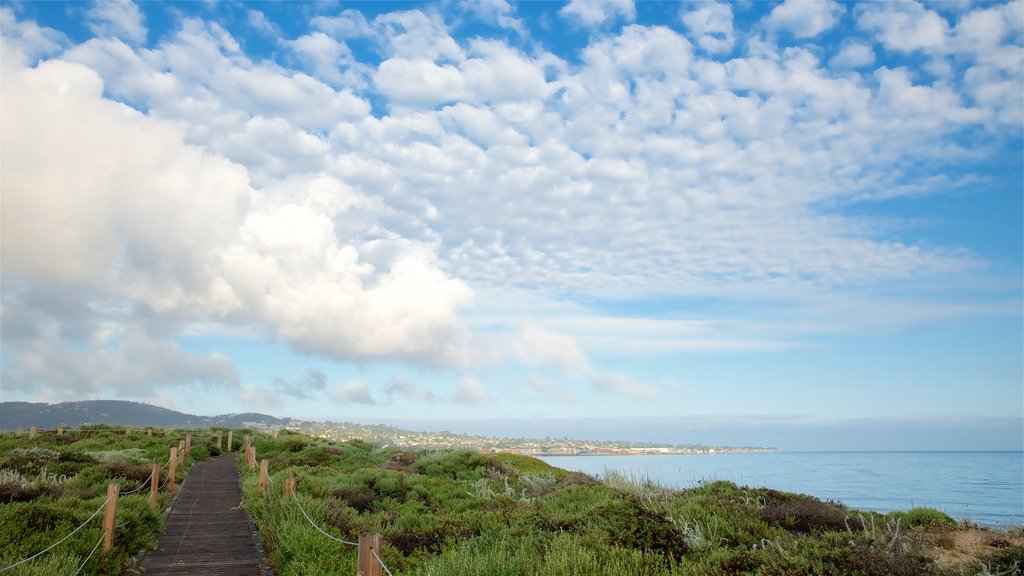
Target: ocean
(984,487)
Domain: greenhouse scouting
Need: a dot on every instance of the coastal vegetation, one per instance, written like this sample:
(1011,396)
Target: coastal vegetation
(54,483)
(460,512)
(447,512)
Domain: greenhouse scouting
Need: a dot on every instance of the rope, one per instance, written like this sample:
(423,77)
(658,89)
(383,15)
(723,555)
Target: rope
(313,524)
(94,551)
(140,487)
(54,545)
(381,562)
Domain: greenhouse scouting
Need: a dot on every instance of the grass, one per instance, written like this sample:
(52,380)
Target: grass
(50,485)
(457,512)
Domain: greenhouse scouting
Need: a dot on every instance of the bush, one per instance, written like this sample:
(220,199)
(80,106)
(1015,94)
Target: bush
(922,517)
(804,515)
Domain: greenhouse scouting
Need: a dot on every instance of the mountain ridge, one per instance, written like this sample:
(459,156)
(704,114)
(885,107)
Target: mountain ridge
(22,415)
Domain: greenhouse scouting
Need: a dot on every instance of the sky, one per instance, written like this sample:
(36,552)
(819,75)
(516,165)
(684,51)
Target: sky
(795,224)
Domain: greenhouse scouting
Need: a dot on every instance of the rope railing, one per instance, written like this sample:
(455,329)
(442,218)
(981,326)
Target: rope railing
(379,561)
(367,543)
(93,552)
(144,483)
(313,524)
(58,542)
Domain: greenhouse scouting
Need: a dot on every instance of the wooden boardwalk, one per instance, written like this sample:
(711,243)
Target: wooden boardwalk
(207,534)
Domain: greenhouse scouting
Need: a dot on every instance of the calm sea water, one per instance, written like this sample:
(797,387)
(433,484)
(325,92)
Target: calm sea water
(985,487)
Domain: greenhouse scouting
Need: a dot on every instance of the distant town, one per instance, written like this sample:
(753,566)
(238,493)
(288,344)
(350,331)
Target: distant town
(392,437)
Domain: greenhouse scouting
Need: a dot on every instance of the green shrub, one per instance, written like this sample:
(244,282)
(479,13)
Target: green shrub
(923,517)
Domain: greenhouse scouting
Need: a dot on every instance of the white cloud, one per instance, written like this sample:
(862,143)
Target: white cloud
(348,24)
(352,392)
(27,41)
(904,26)
(472,392)
(398,386)
(330,60)
(117,18)
(804,18)
(622,385)
(497,12)
(416,35)
(711,25)
(259,397)
(237,256)
(598,12)
(853,55)
(258,21)
(537,346)
(312,381)
(639,168)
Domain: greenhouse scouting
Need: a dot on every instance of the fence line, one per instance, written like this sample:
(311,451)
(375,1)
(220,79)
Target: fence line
(313,524)
(55,544)
(93,552)
(112,493)
(372,541)
(144,483)
(381,562)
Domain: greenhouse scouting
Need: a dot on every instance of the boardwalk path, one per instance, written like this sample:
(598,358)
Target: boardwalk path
(207,534)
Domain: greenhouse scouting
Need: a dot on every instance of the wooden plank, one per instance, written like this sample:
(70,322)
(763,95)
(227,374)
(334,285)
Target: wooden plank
(206,533)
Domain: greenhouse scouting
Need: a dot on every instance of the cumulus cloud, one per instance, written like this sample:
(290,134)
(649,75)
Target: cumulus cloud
(100,197)
(117,18)
(499,13)
(309,385)
(904,26)
(598,12)
(27,41)
(472,392)
(352,392)
(399,386)
(711,24)
(187,183)
(853,55)
(804,18)
(534,345)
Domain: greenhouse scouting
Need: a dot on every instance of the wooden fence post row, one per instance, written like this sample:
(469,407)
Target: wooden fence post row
(154,485)
(261,487)
(366,564)
(172,464)
(109,515)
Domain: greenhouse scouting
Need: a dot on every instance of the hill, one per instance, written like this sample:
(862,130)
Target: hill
(22,415)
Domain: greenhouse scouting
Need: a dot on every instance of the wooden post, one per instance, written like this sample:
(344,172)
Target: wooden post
(219,435)
(127,431)
(188,443)
(149,432)
(173,464)
(60,431)
(252,459)
(109,515)
(262,486)
(366,564)
(289,486)
(32,432)
(154,484)
(247,444)
(230,446)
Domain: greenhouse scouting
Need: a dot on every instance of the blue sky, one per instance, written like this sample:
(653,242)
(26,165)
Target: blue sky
(796,224)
